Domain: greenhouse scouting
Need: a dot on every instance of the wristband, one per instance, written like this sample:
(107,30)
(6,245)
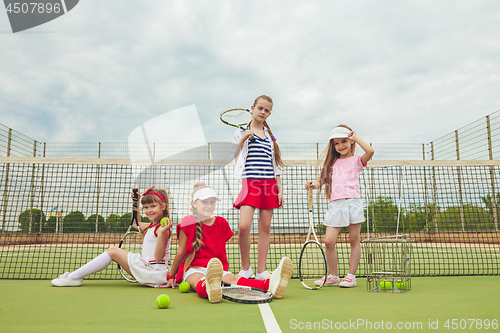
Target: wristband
(170,277)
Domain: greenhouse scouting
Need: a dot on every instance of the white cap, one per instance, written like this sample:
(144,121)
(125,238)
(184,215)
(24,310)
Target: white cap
(205,193)
(339,132)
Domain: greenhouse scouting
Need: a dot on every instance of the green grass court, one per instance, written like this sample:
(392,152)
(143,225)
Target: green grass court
(107,306)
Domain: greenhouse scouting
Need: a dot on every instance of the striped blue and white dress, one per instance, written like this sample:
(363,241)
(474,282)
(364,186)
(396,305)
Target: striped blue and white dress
(259,163)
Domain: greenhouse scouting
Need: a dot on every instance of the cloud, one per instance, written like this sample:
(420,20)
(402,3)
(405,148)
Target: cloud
(394,71)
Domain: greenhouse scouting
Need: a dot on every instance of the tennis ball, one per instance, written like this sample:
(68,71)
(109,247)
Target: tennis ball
(184,287)
(164,221)
(163,301)
(402,285)
(385,285)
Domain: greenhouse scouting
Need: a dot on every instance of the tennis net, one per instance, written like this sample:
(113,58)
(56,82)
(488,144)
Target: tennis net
(58,213)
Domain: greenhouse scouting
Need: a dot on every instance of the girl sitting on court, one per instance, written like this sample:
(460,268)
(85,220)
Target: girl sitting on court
(201,258)
(258,167)
(149,269)
(340,175)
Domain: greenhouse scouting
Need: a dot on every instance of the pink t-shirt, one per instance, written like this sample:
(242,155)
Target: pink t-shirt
(345,178)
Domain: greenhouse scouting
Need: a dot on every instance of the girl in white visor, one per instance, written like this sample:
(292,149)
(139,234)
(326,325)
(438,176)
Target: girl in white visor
(340,177)
(201,259)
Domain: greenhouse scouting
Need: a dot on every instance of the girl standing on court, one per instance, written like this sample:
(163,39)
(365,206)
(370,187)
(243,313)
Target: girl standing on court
(340,175)
(149,269)
(201,258)
(258,167)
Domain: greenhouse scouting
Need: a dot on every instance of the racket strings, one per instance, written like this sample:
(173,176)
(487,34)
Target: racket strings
(245,294)
(237,117)
(312,265)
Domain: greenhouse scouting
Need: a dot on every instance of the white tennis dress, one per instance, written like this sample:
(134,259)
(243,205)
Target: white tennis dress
(145,268)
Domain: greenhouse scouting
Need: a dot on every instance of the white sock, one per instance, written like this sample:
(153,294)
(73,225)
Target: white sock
(95,265)
(351,276)
(333,276)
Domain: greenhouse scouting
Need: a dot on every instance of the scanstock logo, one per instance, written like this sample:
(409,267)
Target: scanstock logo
(28,14)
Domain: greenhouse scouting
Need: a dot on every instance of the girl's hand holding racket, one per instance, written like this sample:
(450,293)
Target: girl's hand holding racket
(313,184)
(135,192)
(247,134)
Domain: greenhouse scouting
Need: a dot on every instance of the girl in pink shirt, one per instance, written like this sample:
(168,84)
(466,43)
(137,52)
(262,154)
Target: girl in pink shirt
(340,175)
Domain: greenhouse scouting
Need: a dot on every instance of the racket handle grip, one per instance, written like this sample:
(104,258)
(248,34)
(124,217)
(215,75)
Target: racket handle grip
(251,138)
(310,198)
(135,199)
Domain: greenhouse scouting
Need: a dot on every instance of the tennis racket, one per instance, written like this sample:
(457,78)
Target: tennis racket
(244,294)
(312,262)
(238,118)
(132,240)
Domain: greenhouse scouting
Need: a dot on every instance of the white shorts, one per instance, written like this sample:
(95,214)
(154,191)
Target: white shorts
(202,270)
(343,212)
(145,273)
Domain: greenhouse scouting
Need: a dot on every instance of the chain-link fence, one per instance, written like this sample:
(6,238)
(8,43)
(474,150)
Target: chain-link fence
(479,140)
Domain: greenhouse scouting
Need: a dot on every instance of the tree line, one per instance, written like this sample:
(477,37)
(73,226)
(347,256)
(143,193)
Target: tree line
(382,215)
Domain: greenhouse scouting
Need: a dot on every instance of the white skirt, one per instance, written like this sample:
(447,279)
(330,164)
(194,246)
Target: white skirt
(145,273)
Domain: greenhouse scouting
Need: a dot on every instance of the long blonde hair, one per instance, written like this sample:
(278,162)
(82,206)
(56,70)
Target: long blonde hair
(277,152)
(330,156)
(150,198)
(197,243)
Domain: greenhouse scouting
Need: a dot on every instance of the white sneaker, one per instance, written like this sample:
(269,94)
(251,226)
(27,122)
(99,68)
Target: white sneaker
(348,282)
(262,276)
(213,280)
(64,281)
(246,274)
(330,282)
(280,277)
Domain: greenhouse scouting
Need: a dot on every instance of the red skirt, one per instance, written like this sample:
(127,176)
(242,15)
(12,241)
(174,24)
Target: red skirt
(258,193)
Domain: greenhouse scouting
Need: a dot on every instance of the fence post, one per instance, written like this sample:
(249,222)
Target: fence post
(32,191)
(41,183)
(492,176)
(7,165)
(462,219)
(425,193)
(97,194)
(434,189)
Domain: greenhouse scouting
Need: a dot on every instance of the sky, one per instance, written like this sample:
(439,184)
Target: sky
(394,71)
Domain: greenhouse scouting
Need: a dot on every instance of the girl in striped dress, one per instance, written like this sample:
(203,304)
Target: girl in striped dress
(258,167)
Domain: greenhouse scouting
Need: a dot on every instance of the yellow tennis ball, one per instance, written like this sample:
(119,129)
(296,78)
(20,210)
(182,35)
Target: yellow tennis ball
(385,285)
(163,301)
(402,285)
(164,221)
(184,287)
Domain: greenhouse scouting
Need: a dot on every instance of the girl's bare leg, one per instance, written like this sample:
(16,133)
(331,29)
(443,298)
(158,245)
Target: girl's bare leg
(332,259)
(245,225)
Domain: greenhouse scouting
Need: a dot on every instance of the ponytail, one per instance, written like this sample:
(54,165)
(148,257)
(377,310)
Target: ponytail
(197,243)
(277,152)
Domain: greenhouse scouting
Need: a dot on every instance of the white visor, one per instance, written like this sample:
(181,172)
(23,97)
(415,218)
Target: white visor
(205,193)
(339,132)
